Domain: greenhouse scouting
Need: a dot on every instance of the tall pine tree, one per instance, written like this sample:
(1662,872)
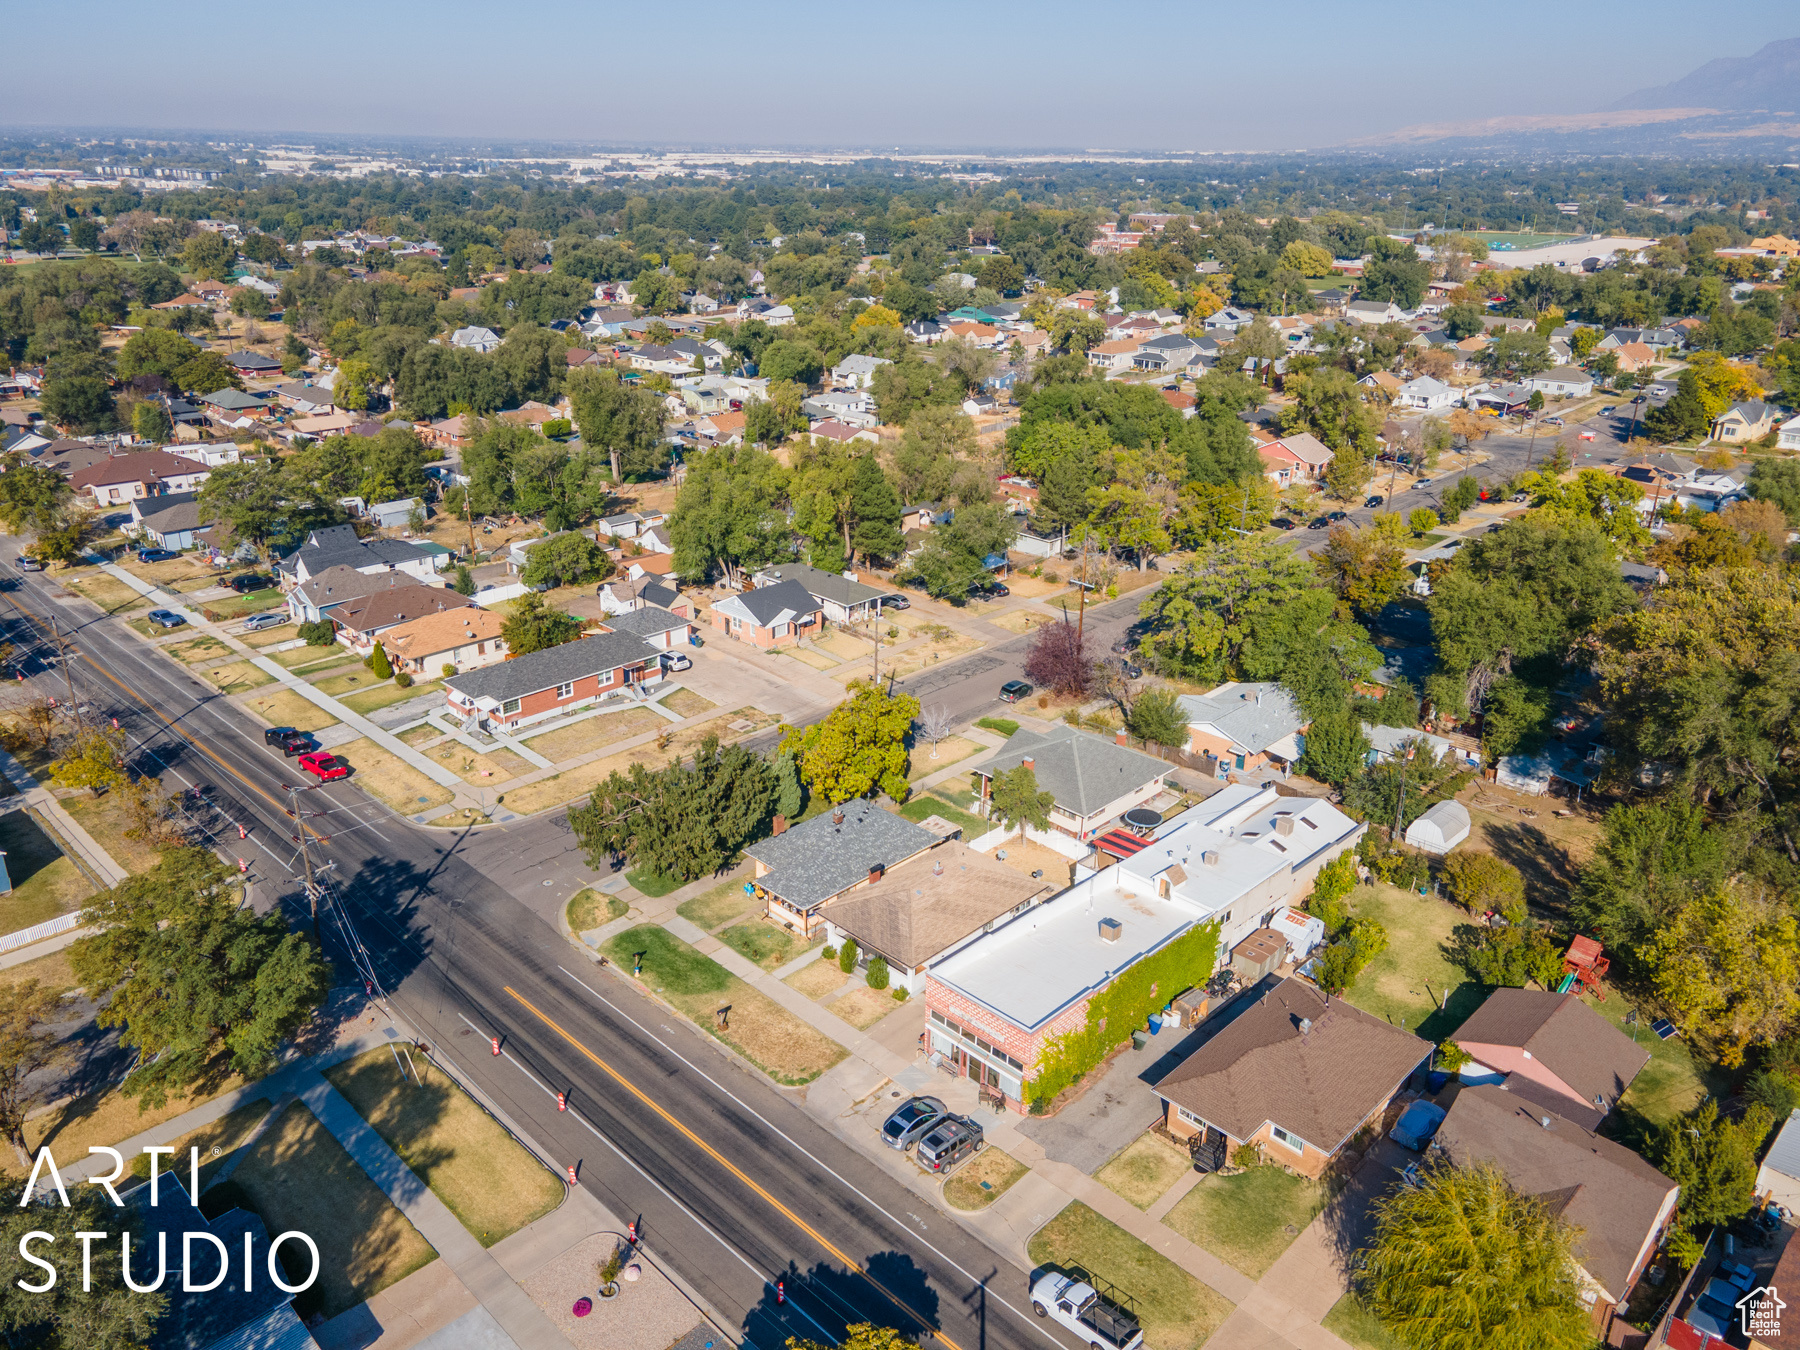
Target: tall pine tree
(875,510)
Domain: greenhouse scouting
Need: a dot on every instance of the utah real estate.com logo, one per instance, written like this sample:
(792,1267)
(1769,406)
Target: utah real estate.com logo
(1761,1313)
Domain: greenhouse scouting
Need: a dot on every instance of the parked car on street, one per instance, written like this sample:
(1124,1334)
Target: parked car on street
(27,563)
(289,741)
(324,767)
(906,1126)
(989,590)
(165,618)
(1336,516)
(1376,500)
(1099,1322)
(950,1141)
(1318,524)
(895,602)
(257,622)
(1014,690)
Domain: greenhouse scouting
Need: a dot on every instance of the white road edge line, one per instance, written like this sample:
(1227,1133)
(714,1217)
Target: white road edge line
(814,1159)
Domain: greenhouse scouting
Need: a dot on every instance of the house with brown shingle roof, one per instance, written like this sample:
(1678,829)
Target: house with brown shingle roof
(1619,1202)
(929,906)
(1295,1072)
(149,473)
(362,621)
(1552,1049)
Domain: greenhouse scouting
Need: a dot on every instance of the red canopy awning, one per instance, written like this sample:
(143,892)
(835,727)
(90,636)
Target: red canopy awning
(1120,843)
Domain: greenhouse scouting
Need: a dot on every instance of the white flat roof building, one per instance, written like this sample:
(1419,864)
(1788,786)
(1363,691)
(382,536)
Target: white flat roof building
(1238,858)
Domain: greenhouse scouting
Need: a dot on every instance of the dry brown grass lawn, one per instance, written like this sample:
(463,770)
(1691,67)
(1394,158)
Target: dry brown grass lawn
(354,681)
(422,735)
(108,592)
(109,1117)
(590,908)
(998,1169)
(53,971)
(269,637)
(202,649)
(1022,855)
(863,1007)
(45,883)
(949,750)
(1036,588)
(595,733)
(1147,1167)
(686,703)
(494,766)
(216,1142)
(820,978)
(472,1164)
(299,658)
(104,818)
(760,1029)
(300,1178)
(808,657)
(284,708)
(236,676)
(845,646)
(1548,849)
(1022,620)
(385,695)
(577,782)
(385,777)
(717,907)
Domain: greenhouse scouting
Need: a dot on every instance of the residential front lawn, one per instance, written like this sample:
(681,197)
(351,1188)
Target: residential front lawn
(1245,1219)
(216,1141)
(242,606)
(761,1030)
(818,978)
(110,1117)
(108,592)
(590,909)
(390,779)
(863,1007)
(595,733)
(920,762)
(982,1180)
(386,695)
(353,681)
(201,650)
(44,882)
(653,884)
(685,702)
(724,902)
(763,943)
(236,676)
(1177,1311)
(284,708)
(104,818)
(467,1158)
(1354,1324)
(1146,1168)
(299,1178)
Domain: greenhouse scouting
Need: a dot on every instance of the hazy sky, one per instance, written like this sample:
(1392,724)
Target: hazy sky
(920,74)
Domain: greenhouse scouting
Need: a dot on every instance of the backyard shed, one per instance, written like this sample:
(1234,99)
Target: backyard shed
(1441,828)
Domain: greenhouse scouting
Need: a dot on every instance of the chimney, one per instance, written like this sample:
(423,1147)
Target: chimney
(1028,763)
(937,869)
(1210,857)
(780,825)
(1110,930)
(837,815)
(1305,1025)
(875,873)
(1285,825)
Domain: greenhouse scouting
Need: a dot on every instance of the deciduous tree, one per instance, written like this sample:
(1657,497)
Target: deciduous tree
(858,748)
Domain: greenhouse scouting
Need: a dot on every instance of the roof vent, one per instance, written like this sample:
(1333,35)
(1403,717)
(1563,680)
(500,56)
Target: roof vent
(837,815)
(1285,825)
(1110,930)
(1210,857)
(1544,1121)
(937,869)
(1305,1025)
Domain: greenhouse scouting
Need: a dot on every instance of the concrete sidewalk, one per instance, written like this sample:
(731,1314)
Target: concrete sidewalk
(380,735)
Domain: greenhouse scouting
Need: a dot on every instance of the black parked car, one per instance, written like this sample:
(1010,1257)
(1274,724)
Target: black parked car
(989,590)
(288,741)
(1319,524)
(1336,516)
(1014,690)
(1283,523)
(1375,501)
(250,582)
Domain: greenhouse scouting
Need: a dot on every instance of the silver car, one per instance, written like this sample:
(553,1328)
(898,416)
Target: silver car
(912,1122)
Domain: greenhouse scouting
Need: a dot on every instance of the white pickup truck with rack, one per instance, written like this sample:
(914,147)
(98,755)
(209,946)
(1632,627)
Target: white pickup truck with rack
(1102,1321)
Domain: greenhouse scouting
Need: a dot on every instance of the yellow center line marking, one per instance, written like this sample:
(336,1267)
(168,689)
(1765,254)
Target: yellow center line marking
(728,1165)
(179,731)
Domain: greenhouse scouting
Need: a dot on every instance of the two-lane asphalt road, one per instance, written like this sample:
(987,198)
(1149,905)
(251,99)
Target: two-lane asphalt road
(734,1185)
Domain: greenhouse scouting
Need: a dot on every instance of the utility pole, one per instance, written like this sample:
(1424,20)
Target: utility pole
(469,517)
(1081,616)
(62,654)
(877,636)
(312,889)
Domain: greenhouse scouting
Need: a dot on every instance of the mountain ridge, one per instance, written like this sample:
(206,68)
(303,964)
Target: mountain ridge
(1766,80)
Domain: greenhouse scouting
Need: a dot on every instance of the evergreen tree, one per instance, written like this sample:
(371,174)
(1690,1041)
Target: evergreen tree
(875,507)
(379,663)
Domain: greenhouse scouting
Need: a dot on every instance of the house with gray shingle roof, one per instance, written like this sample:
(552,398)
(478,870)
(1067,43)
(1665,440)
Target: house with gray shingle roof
(844,599)
(338,546)
(770,615)
(818,860)
(554,681)
(659,627)
(1246,726)
(1093,780)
